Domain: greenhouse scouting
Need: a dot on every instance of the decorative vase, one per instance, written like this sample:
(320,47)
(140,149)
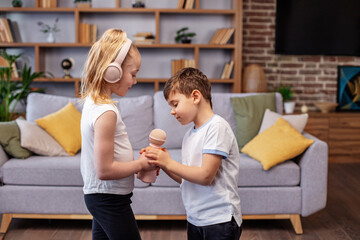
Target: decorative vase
(50,38)
(186,40)
(254,79)
(289,107)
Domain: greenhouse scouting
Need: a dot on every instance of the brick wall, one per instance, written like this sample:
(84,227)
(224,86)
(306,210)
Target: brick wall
(313,78)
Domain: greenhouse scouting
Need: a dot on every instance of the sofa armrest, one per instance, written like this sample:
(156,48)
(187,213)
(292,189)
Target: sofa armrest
(314,171)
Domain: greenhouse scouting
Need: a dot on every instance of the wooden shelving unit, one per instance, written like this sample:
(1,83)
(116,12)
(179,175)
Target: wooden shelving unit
(235,15)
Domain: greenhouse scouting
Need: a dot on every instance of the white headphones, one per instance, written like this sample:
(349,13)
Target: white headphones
(113,72)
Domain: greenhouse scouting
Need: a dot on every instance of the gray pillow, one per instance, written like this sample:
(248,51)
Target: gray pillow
(37,140)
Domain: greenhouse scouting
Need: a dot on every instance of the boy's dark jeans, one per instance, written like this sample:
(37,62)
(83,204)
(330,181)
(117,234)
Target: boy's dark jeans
(113,217)
(222,231)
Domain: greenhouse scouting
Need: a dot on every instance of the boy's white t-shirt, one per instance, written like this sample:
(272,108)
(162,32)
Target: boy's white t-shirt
(123,151)
(218,202)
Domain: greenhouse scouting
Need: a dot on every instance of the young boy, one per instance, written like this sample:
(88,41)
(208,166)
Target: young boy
(210,160)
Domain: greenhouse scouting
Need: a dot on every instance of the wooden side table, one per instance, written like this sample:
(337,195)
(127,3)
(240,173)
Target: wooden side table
(340,130)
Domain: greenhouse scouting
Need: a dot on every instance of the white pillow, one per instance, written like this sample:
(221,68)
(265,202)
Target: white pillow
(297,121)
(37,140)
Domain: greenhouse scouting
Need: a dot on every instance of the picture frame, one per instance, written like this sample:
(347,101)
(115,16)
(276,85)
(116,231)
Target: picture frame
(348,88)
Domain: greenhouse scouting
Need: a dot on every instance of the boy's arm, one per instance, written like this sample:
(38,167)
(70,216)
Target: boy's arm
(175,177)
(203,175)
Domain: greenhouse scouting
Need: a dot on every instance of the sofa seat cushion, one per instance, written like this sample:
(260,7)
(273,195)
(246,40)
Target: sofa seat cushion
(43,170)
(46,171)
(252,174)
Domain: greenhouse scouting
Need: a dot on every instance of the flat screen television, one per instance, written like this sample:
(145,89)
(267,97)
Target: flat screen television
(318,27)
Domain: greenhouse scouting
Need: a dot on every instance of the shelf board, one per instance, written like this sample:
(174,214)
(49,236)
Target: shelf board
(31,9)
(140,80)
(179,45)
(55,79)
(124,10)
(161,45)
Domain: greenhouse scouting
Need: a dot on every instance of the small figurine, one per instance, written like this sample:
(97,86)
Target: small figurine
(157,138)
(304,108)
(67,64)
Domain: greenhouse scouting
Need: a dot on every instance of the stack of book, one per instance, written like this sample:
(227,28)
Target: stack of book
(228,68)
(48,3)
(9,31)
(185,4)
(222,36)
(177,64)
(144,38)
(88,33)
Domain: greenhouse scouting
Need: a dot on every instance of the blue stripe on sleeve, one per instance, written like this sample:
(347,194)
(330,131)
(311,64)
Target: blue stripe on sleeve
(216,152)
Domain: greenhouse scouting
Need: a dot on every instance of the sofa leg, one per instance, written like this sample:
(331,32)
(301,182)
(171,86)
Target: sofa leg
(5,223)
(296,223)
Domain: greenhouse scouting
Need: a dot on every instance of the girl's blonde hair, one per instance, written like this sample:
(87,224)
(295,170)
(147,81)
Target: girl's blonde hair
(101,54)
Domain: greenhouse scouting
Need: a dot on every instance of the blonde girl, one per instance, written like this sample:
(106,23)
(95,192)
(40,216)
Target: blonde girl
(107,163)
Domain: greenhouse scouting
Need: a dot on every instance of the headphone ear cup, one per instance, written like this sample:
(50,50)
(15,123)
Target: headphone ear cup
(113,73)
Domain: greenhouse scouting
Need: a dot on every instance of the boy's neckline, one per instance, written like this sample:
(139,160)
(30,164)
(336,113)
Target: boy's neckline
(197,129)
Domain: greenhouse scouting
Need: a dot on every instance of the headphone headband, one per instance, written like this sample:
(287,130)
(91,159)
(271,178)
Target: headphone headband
(113,72)
(123,51)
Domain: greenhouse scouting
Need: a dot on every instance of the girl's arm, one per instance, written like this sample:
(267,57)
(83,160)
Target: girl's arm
(203,175)
(105,166)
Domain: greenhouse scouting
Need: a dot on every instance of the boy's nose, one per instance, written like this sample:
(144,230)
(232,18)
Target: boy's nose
(172,112)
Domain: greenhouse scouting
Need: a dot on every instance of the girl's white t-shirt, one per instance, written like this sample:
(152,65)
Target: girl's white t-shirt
(123,151)
(219,201)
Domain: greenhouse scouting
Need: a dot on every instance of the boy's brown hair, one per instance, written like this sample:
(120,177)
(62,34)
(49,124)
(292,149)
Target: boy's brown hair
(186,80)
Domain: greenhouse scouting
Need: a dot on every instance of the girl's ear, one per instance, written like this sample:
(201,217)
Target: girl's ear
(196,95)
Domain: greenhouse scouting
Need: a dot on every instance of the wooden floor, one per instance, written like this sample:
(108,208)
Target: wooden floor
(339,220)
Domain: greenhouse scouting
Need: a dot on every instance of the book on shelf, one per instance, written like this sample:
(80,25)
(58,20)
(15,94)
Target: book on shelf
(47,3)
(227,70)
(144,38)
(177,64)
(15,31)
(222,36)
(88,33)
(228,34)
(9,31)
(189,4)
(185,4)
(181,4)
(6,30)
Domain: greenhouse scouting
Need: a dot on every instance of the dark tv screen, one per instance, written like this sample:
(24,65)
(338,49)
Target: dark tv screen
(318,27)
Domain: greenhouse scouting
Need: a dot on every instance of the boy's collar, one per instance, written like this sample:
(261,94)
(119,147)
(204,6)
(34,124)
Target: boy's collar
(197,129)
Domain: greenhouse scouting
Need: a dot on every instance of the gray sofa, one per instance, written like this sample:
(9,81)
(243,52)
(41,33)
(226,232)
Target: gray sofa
(51,187)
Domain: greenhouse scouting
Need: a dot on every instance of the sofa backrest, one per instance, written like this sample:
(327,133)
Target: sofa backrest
(221,106)
(142,114)
(136,112)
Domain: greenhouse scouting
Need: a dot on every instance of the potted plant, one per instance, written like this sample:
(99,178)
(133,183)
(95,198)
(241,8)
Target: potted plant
(83,3)
(11,92)
(16,3)
(184,36)
(45,28)
(286,94)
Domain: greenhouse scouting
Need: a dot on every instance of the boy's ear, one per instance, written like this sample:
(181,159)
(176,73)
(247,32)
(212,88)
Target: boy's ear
(196,94)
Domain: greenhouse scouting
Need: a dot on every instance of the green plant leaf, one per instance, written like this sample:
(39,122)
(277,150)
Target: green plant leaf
(182,30)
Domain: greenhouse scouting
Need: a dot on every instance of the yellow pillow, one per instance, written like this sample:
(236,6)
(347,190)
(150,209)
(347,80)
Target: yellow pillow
(276,144)
(64,127)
